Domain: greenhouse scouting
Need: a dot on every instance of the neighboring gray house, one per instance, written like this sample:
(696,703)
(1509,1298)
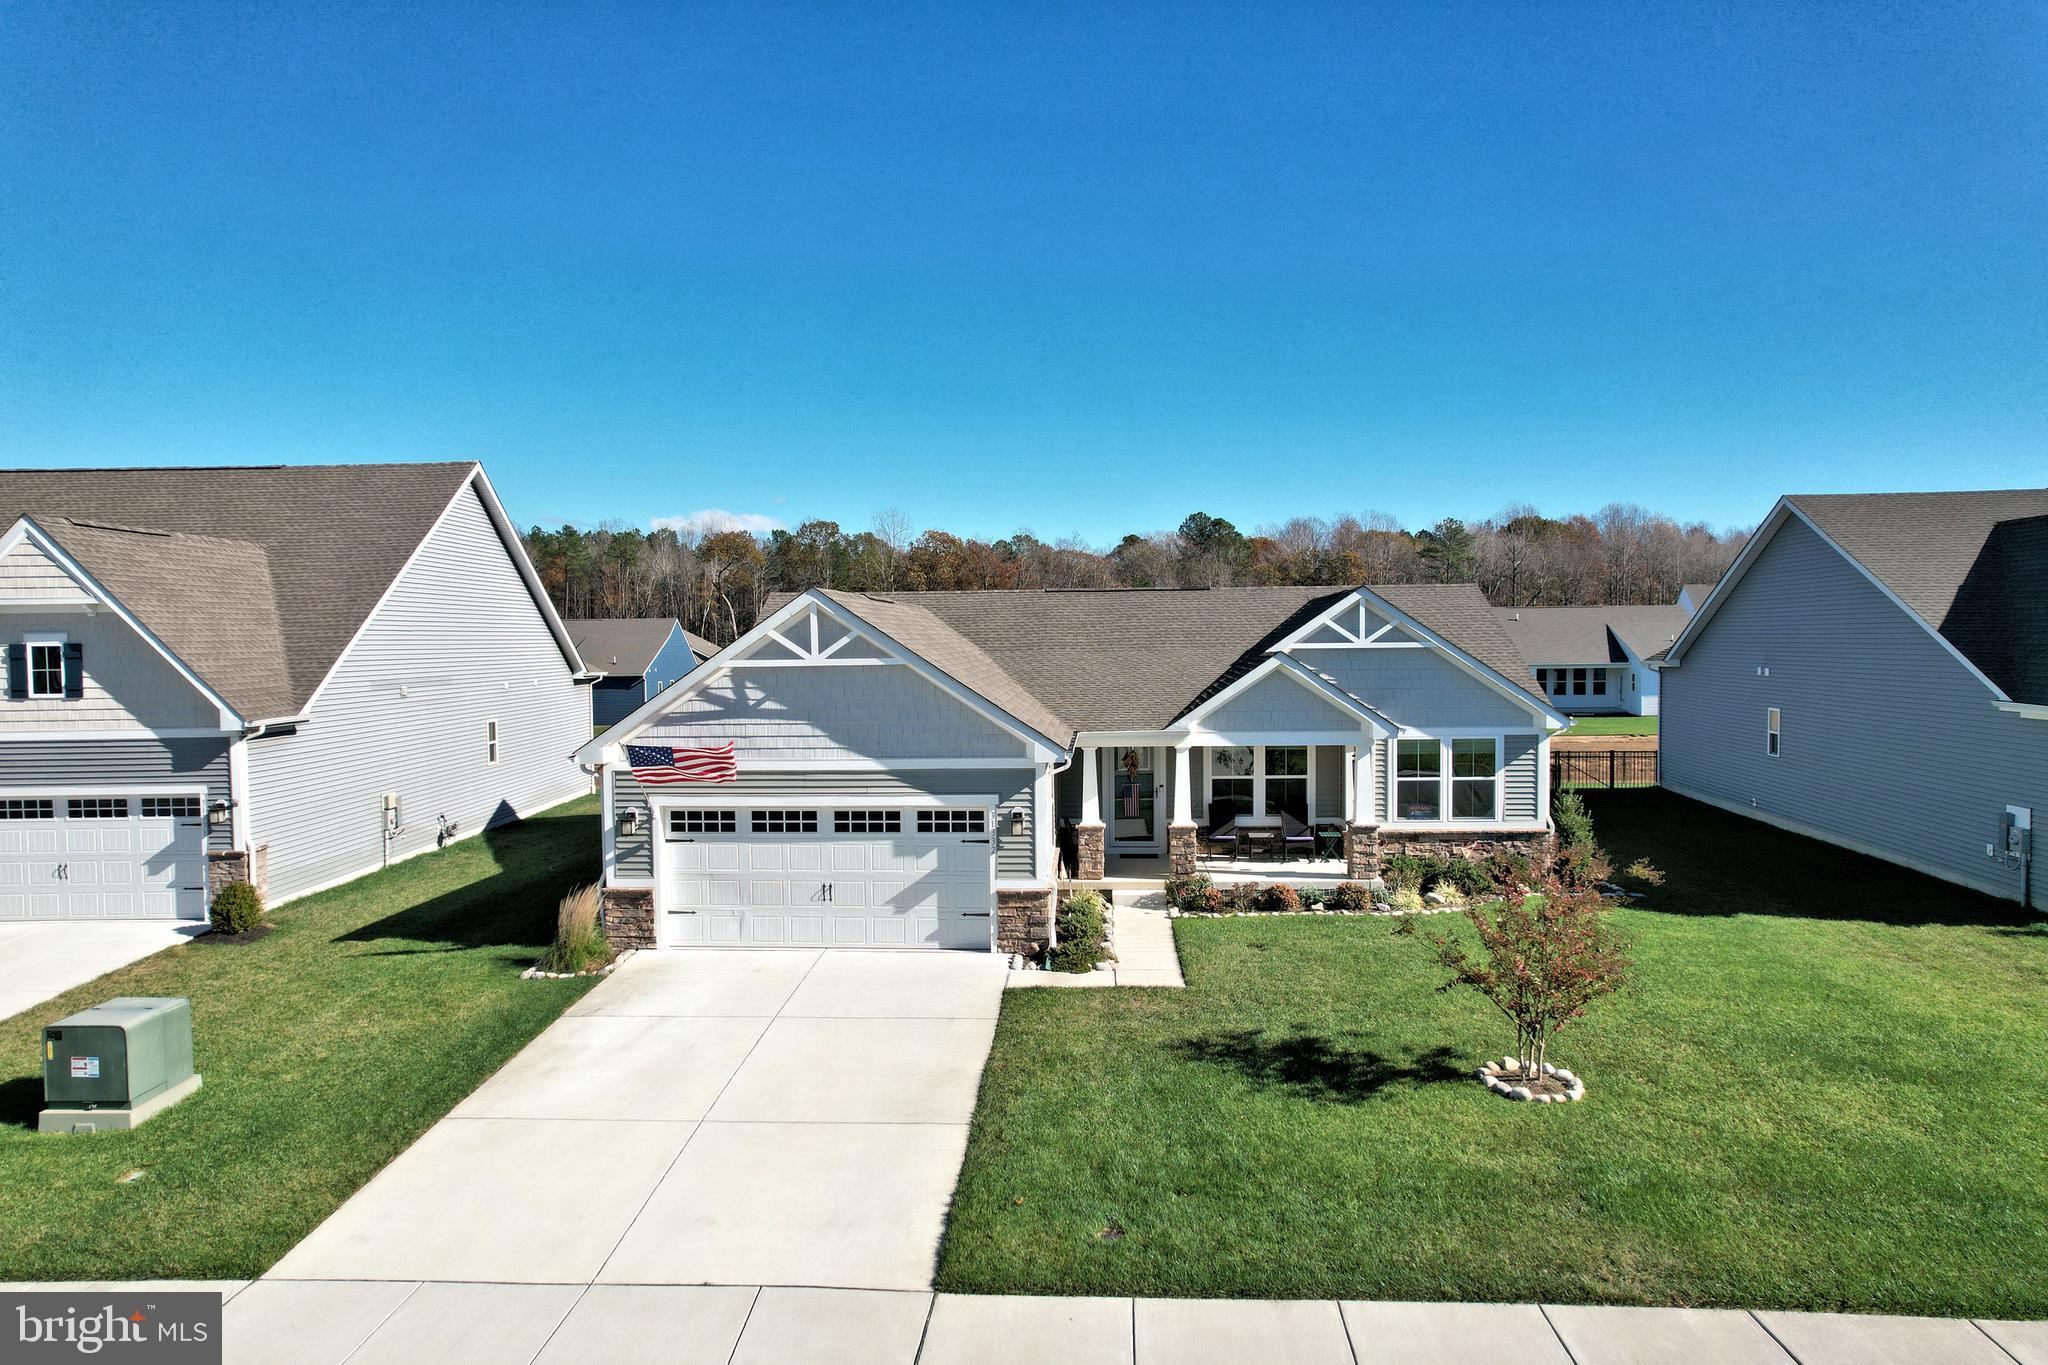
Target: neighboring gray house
(905,762)
(1693,596)
(290,675)
(1593,661)
(1873,671)
(634,658)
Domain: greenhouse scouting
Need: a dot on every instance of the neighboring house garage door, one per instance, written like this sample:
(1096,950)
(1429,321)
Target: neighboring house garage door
(836,877)
(135,855)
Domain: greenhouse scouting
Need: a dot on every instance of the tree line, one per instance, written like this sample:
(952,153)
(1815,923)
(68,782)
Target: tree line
(716,581)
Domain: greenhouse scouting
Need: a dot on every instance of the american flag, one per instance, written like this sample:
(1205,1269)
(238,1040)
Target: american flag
(661,766)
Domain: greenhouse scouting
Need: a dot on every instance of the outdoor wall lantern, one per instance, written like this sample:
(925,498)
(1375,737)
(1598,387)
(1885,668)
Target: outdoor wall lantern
(217,814)
(629,820)
(1016,820)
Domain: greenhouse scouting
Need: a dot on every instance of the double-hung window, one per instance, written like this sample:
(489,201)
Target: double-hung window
(1287,781)
(45,668)
(490,741)
(1230,777)
(1475,779)
(1418,779)
(1599,682)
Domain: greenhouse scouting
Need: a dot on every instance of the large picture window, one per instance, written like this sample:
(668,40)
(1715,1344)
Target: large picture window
(1418,779)
(1475,779)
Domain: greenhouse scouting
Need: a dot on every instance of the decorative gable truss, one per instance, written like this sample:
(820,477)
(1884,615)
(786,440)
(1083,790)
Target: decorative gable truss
(780,688)
(1364,623)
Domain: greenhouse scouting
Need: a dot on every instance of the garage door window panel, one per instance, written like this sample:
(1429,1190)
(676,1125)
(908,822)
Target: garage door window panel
(785,822)
(28,808)
(867,822)
(952,822)
(97,808)
(703,822)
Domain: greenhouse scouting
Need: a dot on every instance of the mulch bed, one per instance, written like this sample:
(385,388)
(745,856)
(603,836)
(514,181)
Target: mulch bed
(246,936)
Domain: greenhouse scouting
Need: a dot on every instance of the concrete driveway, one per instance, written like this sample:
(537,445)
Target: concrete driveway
(705,1117)
(43,959)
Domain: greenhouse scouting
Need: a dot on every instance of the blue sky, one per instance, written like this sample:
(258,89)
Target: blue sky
(1081,269)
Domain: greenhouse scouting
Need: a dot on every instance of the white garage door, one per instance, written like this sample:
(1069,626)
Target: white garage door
(830,877)
(131,856)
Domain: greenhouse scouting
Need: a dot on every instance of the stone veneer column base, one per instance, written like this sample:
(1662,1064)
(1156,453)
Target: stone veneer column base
(1362,852)
(1088,848)
(238,865)
(1181,847)
(628,916)
(1024,921)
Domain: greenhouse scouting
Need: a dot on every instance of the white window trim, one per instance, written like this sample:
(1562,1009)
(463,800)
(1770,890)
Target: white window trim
(30,644)
(1774,744)
(1445,779)
(491,735)
(1258,776)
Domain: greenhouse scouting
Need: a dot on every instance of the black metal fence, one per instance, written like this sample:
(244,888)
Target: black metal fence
(1602,768)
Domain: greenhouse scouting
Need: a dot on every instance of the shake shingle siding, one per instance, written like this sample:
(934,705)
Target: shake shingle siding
(128,685)
(118,766)
(29,575)
(457,644)
(1888,744)
(1419,687)
(633,858)
(804,715)
(1275,704)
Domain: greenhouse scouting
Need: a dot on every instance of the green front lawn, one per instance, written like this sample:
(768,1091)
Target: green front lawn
(1826,1093)
(1594,726)
(327,1048)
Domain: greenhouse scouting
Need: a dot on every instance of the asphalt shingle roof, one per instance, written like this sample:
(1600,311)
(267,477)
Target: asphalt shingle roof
(1580,635)
(1974,566)
(1137,659)
(621,646)
(257,577)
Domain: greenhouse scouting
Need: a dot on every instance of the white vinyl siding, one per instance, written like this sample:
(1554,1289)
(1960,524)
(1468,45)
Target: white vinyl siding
(458,642)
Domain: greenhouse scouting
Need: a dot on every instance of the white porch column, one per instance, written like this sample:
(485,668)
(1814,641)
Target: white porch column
(1091,787)
(1362,812)
(1183,788)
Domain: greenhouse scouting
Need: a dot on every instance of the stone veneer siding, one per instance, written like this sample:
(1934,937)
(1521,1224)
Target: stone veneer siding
(1367,846)
(238,865)
(628,914)
(1088,843)
(1023,921)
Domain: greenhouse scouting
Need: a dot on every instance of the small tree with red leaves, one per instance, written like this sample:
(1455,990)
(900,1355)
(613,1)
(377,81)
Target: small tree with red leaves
(1544,955)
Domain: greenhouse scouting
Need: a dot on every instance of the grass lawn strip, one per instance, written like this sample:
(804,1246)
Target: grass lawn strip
(1822,1094)
(327,1047)
(1588,726)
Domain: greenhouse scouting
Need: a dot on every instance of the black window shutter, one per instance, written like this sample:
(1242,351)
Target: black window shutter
(17,672)
(74,670)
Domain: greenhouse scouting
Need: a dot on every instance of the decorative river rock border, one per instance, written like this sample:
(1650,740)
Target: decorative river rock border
(536,974)
(1504,1077)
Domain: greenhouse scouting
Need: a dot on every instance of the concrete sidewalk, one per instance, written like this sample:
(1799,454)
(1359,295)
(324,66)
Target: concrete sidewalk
(370,1322)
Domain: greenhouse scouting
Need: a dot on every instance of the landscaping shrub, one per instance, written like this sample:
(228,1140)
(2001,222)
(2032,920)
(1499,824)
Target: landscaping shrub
(1468,879)
(1312,897)
(1349,897)
(1580,861)
(1240,899)
(1405,898)
(1190,892)
(580,942)
(1509,869)
(237,909)
(1417,871)
(1083,940)
(1279,899)
(1574,825)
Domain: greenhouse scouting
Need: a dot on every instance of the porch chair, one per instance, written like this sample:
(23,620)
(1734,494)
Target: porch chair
(1296,837)
(1222,829)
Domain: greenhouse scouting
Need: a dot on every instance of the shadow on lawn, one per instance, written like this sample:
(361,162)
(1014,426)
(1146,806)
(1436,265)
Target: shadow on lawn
(1316,1067)
(21,1100)
(1717,863)
(538,861)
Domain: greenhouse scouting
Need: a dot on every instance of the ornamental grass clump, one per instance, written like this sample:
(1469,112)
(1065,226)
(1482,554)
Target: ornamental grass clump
(581,944)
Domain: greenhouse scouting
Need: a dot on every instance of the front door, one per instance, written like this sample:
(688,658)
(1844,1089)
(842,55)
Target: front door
(1133,799)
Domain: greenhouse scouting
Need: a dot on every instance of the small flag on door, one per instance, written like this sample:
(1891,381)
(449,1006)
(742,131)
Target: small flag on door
(662,766)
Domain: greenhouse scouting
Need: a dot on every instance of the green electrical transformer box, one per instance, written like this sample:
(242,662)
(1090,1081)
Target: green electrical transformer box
(116,1064)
